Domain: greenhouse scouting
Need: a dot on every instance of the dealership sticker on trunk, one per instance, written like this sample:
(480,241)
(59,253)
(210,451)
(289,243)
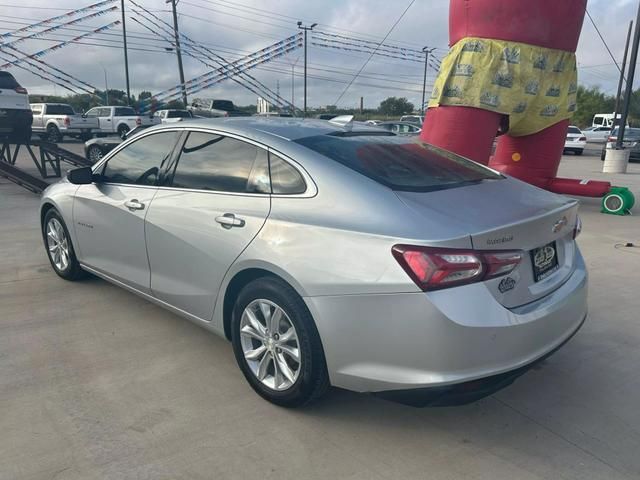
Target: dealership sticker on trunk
(545,261)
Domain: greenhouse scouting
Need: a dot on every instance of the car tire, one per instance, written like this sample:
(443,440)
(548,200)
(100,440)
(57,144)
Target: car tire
(579,152)
(53,134)
(59,248)
(122,131)
(293,383)
(94,154)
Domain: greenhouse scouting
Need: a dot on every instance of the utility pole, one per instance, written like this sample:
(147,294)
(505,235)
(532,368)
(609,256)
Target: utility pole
(427,51)
(293,103)
(361,105)
(621,81)
(629,89)
(126,58)
(176,34)
(306,29)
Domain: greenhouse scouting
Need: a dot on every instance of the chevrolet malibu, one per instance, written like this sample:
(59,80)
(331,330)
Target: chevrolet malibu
(330,254)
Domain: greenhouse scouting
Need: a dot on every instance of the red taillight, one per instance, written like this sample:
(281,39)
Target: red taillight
(138,121)
(21,90)
(583,139)
(67,121)
(437,268)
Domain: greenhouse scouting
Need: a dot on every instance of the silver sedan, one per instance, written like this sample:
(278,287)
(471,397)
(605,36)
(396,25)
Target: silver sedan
(330,254)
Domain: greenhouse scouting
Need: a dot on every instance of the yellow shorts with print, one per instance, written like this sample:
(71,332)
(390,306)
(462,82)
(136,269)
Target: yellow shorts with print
(536,87)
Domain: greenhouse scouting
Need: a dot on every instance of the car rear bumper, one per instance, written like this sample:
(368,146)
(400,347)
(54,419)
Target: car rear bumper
(400,342)
(575,145)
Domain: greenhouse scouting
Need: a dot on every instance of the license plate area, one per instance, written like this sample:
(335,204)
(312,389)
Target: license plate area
(544,261)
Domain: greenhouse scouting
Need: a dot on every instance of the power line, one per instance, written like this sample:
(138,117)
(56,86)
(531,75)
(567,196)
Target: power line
(602,38)
(372,53)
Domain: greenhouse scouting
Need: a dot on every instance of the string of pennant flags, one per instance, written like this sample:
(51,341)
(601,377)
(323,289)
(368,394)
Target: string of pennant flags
(190,47)
(247,62)
(48,21)
(35,35)
(49,78)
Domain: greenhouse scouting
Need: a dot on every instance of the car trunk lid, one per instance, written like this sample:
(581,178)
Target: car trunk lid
(510,215)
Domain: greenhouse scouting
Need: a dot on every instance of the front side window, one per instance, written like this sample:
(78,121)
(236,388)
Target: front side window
(93,112)
(140,162)
(36,109)
(104,112)
(223,164)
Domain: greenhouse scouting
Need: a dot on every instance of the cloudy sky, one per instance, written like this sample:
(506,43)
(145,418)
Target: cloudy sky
(234,28)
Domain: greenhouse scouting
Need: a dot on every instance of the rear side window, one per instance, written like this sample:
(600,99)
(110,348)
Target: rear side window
(285,179)
(574,130)
(125,112)
(400,163)
(140,162)
(60,110)
(7,81)
(222,164)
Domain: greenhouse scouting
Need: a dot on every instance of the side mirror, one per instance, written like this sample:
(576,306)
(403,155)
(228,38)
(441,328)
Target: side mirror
(80,176)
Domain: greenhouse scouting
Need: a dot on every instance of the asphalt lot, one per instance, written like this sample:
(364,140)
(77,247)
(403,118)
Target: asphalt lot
(96,383)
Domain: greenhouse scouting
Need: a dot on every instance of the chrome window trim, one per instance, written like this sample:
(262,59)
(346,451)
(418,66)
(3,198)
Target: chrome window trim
(310,192)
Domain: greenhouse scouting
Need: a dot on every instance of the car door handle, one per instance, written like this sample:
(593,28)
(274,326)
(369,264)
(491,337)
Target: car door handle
(134,204)
(229,220)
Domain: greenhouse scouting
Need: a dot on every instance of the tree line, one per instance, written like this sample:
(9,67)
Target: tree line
(591,100)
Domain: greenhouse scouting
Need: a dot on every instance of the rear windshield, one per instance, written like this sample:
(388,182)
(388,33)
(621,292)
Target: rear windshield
(124,112)
(59,110)
(223,105)
(574,130)
(179,114)
(7,81)
(400,163)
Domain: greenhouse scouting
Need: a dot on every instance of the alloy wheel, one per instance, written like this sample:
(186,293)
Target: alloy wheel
(270,344)
(95,154)
(58,244)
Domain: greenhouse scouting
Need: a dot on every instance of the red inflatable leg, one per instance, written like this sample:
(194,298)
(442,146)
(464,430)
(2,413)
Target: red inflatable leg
(532,158)
(467,131)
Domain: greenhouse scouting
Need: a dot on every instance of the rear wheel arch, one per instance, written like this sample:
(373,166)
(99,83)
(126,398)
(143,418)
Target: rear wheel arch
(235,286)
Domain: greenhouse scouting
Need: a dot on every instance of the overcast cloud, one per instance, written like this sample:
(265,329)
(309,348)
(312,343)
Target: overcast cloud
(233,28)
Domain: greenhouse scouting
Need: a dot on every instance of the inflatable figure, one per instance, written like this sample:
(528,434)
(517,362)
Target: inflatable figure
(511,69)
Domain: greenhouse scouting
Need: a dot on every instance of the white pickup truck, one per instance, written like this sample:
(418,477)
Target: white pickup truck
(52,121)
(120,120)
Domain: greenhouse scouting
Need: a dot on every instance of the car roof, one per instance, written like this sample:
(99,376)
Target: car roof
(287,128)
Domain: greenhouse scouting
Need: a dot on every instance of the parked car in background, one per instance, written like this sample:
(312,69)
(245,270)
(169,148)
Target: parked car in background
(414,119)
(631,141)
(444,280)
(596,134)
(605,120)
(575,141)
(15,114)
(54,121)
(96,148)
(400,128)
(207,108)
(120,120)
(173,115)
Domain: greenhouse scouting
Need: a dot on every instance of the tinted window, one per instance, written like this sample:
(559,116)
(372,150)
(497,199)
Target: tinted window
(7,81)
(59,110)
(629,133)
(179,114)
(574,130)
(140,162)
(125,112)
(223,164)
(223,105)
(401,163)
(285,179)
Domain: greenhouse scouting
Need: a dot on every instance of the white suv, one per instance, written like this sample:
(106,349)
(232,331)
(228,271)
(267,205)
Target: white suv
(15,112)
